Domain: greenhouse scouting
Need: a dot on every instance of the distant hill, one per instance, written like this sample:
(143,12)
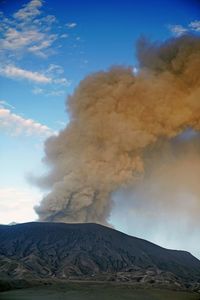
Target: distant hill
(89,251)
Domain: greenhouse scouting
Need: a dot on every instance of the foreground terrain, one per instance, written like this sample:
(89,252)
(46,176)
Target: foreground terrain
(90,253)
(85,291)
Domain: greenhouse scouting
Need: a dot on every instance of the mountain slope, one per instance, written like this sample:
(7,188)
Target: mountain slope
(58,250)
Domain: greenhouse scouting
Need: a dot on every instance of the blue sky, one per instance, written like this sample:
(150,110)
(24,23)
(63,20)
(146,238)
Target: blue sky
(47,47)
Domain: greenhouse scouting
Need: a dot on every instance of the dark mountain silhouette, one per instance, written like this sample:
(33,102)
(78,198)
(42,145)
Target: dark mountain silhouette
(89,251)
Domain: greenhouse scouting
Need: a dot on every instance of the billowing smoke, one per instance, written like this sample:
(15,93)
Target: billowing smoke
(120,124)
(165,206)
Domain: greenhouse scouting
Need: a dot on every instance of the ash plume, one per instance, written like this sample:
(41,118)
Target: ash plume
(116,118)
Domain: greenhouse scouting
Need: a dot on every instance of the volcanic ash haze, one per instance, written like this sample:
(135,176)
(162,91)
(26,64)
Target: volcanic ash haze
(116,120)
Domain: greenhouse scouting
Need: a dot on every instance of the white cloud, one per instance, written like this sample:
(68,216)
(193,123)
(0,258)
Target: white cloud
(15,124)
(5,103)
(45,44)
(62,81)
(30,40)
(56,73)
(56,69)
(195,25)
(29,11)
(14,72)
(37,91)
(16,204)
(28,32)
(15,39)
(178,30)
(71,25)
(64,36)
(48,93)
(56,93)
(50,76)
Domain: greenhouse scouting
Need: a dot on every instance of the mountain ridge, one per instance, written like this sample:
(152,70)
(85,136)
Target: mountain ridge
(91,251)
(100,225)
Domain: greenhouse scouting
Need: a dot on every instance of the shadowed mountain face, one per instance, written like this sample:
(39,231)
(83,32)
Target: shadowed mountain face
(58,250)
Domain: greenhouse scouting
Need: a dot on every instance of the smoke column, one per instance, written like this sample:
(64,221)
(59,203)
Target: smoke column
(118,125)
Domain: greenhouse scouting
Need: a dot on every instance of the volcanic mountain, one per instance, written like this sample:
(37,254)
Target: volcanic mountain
(89,251)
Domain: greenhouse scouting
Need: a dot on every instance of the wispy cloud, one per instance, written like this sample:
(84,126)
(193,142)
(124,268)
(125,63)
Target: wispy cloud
(31,33)
(58,82)
(195,25)
(6,104)
(179,30)
(56,93)
(38,91)
(64,36)
(29,11)
(14,72)
(52,75)
(15,124)
(28,31)
(71,25)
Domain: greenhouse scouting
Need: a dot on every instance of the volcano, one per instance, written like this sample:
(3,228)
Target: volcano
(90,252)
